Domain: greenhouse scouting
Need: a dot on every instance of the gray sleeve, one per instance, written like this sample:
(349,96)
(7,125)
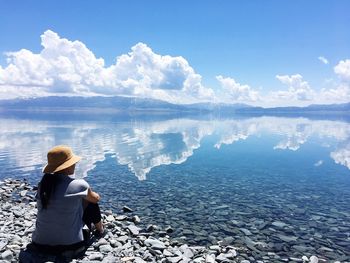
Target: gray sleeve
(77,187)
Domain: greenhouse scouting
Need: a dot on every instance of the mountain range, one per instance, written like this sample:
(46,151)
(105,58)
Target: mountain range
(128,104)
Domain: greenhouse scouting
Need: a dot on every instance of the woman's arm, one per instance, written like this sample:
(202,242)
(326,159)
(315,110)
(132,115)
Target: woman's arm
(92,196)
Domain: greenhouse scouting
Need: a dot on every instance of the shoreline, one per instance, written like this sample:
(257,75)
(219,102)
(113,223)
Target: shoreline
(125,239)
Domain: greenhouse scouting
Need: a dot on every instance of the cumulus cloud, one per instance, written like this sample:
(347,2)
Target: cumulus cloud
(342,69)
(237,92)
(65,67)
(340,93)
(69,67)
(323,60)
(298,89)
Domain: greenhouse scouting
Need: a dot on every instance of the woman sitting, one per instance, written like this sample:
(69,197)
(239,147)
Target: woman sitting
(64,205)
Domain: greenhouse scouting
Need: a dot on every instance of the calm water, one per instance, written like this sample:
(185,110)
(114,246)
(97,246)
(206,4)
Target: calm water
(268,183)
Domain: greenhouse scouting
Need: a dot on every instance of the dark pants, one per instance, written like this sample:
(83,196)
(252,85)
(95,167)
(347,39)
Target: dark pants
(92,215)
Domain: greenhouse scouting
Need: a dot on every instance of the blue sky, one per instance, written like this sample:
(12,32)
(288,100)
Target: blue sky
(249,42)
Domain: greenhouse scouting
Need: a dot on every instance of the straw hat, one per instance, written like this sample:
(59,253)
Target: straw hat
(59,158)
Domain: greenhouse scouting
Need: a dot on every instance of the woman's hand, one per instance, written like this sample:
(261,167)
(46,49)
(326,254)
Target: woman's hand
(92,196)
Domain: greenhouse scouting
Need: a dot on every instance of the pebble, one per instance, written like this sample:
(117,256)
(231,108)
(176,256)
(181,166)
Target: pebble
(134,230)
(136,219)
(155,244)
(105,248)
(126,242)
(110,218)
(246,231)
(96,256)
(210,259)
(7,255)
(313,259)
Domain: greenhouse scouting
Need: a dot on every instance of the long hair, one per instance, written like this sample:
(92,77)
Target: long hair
(47,187)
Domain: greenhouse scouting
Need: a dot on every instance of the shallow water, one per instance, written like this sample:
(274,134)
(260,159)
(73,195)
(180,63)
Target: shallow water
(272,184)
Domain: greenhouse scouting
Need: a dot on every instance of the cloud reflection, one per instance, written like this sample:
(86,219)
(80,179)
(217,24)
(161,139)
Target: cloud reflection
(342,155)
(145,145)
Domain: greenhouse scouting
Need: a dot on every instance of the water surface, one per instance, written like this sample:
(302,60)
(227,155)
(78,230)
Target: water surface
(268,183)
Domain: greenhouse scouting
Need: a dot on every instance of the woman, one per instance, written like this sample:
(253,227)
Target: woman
(64,205)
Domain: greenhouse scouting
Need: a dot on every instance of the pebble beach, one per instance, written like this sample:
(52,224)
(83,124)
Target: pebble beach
(126,239)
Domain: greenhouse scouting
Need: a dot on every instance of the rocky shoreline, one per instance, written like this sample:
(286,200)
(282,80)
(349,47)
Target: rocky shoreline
(125,240)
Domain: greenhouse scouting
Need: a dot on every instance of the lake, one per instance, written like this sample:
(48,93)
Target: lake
(271,184)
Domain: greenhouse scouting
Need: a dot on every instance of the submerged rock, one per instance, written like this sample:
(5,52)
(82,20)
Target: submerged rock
(127,209)
(243,239)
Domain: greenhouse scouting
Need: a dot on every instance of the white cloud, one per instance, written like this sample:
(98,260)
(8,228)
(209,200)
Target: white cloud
(236,92)
(323,60)
(338,94)
(342,69)
(69,67)
(65,67)
(298,89)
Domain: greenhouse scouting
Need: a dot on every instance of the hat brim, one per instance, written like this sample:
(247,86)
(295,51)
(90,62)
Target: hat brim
(50,169)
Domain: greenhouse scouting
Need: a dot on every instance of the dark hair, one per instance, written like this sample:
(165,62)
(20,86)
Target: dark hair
(47,187)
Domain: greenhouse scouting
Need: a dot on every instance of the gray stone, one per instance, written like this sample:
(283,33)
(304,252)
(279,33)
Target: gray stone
(122,239)
(287,238)
(101,242)
(7,255)
(115,243)
(220,207)
(120,218)
(246,231)
(279,224)
(136,219)
(138,260)
(305,258)
(221,257)
(155,244)
(301,248)
(110,218)
(313,259)
(96,256)
(3,244)
(199,260)
(188,253)
(167,253)
(134,230)
(162,233)
(105,248)
(174,259)
(296,259)
(169,229)
(210,259)
(215,247)
(110,259)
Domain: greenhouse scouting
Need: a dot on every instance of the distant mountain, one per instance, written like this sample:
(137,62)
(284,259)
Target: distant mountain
(113,103)
(129,104)
(110,103)
(331,108)
(218,107)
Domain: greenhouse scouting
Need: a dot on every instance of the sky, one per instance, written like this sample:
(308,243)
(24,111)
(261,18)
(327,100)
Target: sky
(266,53)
